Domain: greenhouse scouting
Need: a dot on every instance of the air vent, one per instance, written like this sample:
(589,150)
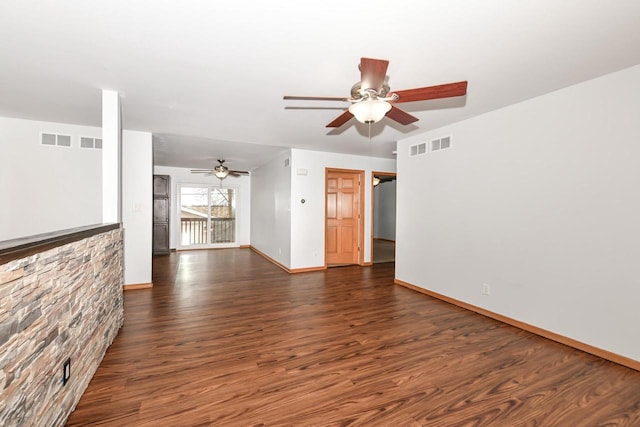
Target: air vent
(441,143)
(89,142)
(55,139)
(416,150)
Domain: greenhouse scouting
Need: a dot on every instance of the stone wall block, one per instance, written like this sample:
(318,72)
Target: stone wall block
(59,304)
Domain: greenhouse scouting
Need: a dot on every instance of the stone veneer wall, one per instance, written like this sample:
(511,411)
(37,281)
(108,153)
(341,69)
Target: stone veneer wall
(61,303)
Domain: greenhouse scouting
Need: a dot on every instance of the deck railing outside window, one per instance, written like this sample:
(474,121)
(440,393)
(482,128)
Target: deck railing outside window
(193,231)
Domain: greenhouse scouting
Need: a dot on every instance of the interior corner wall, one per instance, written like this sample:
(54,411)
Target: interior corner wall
(308,218)
(137,205)
(181,176)
(539,200)
(47,188)
(271,209)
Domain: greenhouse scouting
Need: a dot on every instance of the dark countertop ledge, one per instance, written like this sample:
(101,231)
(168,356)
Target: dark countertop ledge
(23,247)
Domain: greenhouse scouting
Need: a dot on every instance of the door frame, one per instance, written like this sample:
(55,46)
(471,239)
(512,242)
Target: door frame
(373,216)
(361,175)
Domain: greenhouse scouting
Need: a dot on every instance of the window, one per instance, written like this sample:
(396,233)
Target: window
(207,216)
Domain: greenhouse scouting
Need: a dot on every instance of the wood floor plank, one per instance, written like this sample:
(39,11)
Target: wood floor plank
(225,338)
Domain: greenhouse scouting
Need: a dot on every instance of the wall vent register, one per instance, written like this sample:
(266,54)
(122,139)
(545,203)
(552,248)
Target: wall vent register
(418,149)
(441,143)
(89,142)
(54,139)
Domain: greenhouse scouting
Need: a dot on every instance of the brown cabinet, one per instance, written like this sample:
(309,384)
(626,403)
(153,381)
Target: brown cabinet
(161,186)
(161,209)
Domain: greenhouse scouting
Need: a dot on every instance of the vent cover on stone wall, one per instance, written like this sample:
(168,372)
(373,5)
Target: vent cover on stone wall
(441,143)
(55,139)
(417,149)
(89,142)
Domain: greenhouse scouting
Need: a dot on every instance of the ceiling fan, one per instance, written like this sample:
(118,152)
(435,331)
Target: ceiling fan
(371,99)
(220,171)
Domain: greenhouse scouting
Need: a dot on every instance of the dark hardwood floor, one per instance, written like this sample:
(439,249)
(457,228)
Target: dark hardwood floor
(225,338)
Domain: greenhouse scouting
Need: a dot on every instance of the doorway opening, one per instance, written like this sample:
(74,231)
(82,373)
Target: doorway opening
(383,217)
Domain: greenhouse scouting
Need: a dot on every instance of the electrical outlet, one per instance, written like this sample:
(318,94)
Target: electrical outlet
(66,371)
(486,289)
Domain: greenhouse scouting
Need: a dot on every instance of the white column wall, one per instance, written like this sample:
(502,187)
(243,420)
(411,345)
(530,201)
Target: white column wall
(137,205)
(111,157)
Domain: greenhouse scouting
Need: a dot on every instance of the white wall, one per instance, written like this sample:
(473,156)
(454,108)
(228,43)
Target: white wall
(384,219)
(540,201)
(111,157)
(137,205)
(242,184)
(307,219)
(271,209)
(47,188)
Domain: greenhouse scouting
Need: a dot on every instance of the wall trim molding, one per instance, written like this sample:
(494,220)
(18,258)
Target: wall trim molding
(200,248)
(307,269)
(587,348)
(288,270)
(137,286)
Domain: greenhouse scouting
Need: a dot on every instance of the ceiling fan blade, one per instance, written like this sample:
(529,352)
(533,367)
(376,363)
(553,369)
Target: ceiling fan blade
(432,92)
(201,170)
(400,116)
(340,120)
(315,98)
(373,73)
(238,173)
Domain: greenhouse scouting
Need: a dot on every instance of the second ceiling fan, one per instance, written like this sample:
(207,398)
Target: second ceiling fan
(371,98)
(220,171)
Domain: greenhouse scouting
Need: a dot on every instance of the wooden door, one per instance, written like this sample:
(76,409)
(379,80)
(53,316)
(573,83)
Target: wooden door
(342,240)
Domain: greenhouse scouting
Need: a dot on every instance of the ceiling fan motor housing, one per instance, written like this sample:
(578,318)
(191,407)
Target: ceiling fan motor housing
(358,93)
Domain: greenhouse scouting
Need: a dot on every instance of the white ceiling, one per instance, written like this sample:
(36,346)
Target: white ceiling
(207,77)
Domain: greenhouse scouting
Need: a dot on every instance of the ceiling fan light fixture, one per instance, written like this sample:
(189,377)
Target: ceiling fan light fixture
(369,110)
(221,173)
(376,181)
